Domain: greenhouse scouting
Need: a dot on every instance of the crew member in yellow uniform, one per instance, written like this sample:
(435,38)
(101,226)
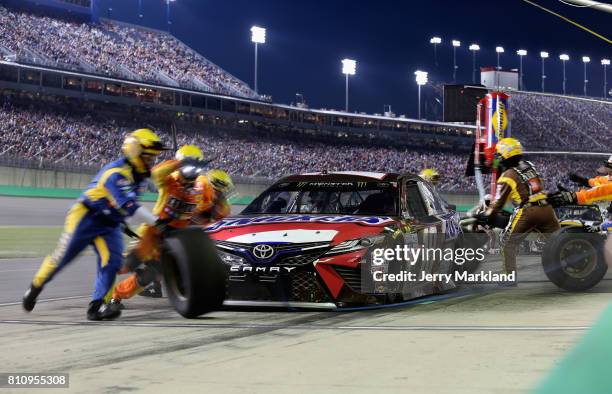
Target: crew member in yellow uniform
(521,184)
(96,218)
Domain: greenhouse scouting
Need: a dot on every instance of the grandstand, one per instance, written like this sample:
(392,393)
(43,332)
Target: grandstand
(113,49)
(74,135)
(550,121)
(67,100)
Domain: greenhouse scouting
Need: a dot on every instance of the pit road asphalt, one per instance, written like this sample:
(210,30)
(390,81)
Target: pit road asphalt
(480,339)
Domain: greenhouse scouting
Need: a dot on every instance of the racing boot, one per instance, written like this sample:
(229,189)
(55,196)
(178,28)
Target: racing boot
(154,290)
(29,298)
(98,310)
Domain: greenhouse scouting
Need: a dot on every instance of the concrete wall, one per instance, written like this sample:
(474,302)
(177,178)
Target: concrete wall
(461,199)
(27,177)
(42,178)
(61,180)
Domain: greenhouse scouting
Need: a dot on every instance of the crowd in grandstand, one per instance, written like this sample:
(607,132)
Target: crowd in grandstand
(541,122)
(53,137)
(114,49)
(544,121)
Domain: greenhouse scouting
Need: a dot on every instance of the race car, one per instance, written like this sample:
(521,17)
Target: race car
(307,241)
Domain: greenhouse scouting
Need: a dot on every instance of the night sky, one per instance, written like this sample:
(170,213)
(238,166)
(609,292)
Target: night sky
(389,39)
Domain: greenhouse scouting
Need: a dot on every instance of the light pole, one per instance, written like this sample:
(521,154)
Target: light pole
(435,41)
(605,63)
(474,48)
(258,36)
(456,44)
(421,79)
(499,51)
(349,67)
(564,58)
(168,22)
(521,53)
(585,60)
(543,56)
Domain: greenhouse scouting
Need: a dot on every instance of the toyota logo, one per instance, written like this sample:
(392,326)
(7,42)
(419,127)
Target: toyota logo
(263,251)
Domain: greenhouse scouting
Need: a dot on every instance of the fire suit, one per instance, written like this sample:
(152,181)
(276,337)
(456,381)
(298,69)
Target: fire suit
(599,180)
(95,220)
(523,186)
(178,206)
(600,192)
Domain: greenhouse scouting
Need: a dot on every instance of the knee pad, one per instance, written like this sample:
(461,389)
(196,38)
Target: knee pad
(132,261)
(145,275)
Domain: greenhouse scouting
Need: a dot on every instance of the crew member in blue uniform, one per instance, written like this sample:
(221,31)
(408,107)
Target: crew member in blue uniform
(96,218)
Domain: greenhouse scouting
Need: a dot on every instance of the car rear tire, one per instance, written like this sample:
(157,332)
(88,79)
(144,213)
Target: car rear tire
(194,275)
(573,259)
(470,241)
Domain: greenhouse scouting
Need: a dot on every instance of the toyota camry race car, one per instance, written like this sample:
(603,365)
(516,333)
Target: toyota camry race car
(308,239)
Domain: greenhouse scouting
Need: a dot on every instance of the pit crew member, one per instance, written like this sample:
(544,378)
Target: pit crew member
(605,174)
(191,198)
(432,175)
(601,190)
(521,184)
(159,175)
(96,219)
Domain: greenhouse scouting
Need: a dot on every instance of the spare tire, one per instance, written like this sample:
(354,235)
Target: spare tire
(194,275)
(573,258)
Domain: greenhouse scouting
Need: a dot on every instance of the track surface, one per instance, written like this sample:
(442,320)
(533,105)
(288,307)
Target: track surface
(477,340)
(25,211)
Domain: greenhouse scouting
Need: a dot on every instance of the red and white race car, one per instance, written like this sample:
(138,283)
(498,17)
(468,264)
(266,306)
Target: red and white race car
(307,240)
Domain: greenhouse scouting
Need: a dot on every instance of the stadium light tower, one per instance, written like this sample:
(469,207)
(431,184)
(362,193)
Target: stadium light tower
(585,60)
(521,53)
(435,41)
(474,48)
(605,63)
(543,56)
(499,51)
(168,21)
(564,58)
(258,36)
(421,79)
(349,67)
(456,44)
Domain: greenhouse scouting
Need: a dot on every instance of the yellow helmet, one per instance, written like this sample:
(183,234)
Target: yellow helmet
(220,181)
(189,151)
(431,175)
(140,146)
(509,147)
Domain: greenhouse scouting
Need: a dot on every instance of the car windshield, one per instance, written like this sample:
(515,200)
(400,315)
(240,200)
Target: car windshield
(345,198)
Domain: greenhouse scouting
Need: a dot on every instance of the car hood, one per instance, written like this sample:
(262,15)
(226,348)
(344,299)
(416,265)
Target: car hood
(298,228)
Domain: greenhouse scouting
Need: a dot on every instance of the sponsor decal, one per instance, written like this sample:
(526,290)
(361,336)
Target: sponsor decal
(500,120)
(238,222)
(450,225)
(263,270)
